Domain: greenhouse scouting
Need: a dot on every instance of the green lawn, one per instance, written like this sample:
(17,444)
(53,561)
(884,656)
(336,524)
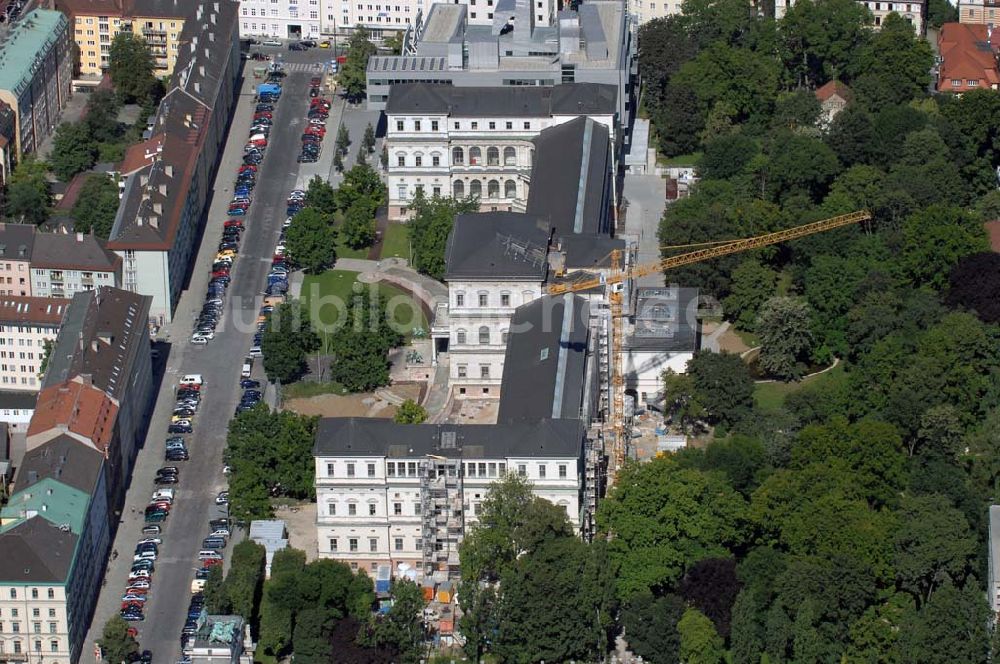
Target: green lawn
(679,160)
(325,295)
(771,396)
(396,242)
(343,251)
(311,388)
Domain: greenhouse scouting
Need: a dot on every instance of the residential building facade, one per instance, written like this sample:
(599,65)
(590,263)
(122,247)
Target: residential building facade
(37,57)
(968,58)
(984,12)
(64,264)
(449,141)
(55,538)
(27,326)
(8,142)
(593,44)
(282,19)
(96,23)
(17,242)
(156,228)
(833,97)
(389,493)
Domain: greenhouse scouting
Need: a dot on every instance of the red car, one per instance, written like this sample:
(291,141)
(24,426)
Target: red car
(211,562)
(319,130)
(248,167)
(130,605)
(233,223)
(315,80)
(319,101)
(263,114)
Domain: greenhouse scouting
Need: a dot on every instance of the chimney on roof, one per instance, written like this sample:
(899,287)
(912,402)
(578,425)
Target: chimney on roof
(86,378)
(169,170)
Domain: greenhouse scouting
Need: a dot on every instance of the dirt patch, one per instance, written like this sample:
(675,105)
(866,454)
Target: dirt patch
(473,411)
(353,405)
(300,521)
(730,342)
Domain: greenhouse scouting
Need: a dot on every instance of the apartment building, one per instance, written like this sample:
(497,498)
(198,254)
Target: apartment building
(968,58)
(8,142)
(390,493)
(37,57)
(282,19)
(64,264)
(17,242)
(96,23)
(914,12)
(978,11)
(478,141)
(101,359)
(592,44)
(156,228)
(27,326)
(55,539)
(386,17)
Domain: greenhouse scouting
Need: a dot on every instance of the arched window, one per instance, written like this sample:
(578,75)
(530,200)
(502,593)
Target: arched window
(457,156)
(458,189)
(460,337)
(476,188)
(509,189)
(484,334)
(509,156)
(493,189)
(475,157)
(492,157)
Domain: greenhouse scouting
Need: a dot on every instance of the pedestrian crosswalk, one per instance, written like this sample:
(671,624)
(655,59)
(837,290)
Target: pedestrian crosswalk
(290,67)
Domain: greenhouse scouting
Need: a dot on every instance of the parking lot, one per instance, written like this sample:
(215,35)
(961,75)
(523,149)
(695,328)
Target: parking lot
(218,362)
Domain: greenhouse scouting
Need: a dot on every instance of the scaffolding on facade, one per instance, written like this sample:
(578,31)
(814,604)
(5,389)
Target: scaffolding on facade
(443,513)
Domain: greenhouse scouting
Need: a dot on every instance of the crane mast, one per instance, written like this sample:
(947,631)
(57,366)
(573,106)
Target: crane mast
(618,275)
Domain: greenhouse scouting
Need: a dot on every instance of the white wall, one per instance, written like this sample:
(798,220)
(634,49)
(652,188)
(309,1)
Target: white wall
(387,16)
(269,18)
(644,369)
(151,277)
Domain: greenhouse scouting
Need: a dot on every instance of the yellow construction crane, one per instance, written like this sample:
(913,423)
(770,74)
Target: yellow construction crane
(619,276)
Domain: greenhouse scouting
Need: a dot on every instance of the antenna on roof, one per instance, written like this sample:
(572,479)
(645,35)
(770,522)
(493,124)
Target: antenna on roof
(522,249)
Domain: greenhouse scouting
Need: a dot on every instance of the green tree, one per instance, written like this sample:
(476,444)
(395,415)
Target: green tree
(401,630)
(352,72)
(664,45)
(362,181)
(359,224)
(752,284)
(700,643)
(311,638)
(935,239)
(680,120)
(798,165)
(117,645)
(665,518)
(243,583)
(310,240)
(361,345)
(879,83)
(934,543)
(680,403)
(28,192)
(950,628)
(73,150)
(974,283)
(743,79)
(394,42)
(784,328)
(410,412)
(796,110)
(650,626)
(216,599)
(321,195)
(96,207)
(368,142)
(248,497)
(287,340)
(723,386)
(130,65)
(47,346)
(819,39)
(343,140)
(429,229)
(102,117)
(338,161)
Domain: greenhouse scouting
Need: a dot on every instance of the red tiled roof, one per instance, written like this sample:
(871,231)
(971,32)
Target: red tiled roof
(967,54)
(834,88)
(142,154)
(72,192)
(34,310)
(76,407)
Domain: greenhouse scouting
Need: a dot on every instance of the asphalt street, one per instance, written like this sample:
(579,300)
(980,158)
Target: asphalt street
(219,363)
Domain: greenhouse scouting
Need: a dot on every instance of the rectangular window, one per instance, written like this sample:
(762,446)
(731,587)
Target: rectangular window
(562,471)
(333,544)
(54,646)
(503,469)
(510,125)
(398,544)
(371,509)
(522,470)
(353,544)
(401,160)
(463,370)
(482,470)
(493,125)
(418,160)
(350,470)
(390,468)
(475,125)
(434,125)
(483,299)
(416,125)
(329,469)
(460,299)
(484,371)
(541,470)
(435,160)
(372,544)
(493,470)
(331,509)
(416,510)
(397,508)
(457,125)
(411,469)
(352,509)
(399,125)
(504,299)
(371,470)
(52,627)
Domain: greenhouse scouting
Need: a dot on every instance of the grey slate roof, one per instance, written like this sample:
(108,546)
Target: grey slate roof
(64,459)
(544,367)
(74,251)
(570,179)
(665,320)
(496,245)
(103,332)
(589,251)
(473,102)
(36,551)
(16,400)
(17,241)
(361,436)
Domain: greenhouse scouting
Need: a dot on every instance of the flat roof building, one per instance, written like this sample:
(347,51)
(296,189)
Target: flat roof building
(35,78)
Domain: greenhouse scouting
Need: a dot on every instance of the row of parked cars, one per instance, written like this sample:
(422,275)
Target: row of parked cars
(210,555)
(315,131)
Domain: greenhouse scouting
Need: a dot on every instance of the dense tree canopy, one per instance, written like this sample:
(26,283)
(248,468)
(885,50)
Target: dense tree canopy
(130,64)
(429,229)
(287,340)
(96,206)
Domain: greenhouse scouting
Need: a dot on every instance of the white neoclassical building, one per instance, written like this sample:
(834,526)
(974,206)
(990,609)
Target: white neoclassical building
(390,493)
(468,141)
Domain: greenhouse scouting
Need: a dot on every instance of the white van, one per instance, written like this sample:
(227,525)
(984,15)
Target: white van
(160,494)
(208,554)
(247,367)
(192,379)
(197,585)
